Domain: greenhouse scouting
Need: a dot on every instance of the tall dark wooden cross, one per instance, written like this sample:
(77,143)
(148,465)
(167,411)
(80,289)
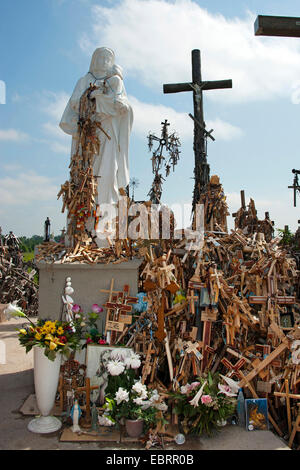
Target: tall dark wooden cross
(197,86)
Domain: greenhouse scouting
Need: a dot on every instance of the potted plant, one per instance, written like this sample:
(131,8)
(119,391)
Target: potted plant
(204,405)
(129,401)
(49,340)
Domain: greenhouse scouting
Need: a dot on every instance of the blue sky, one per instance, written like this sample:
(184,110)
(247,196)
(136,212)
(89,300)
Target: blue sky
(46,46)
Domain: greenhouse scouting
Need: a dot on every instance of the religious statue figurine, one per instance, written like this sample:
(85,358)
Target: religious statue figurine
(47,230)
(75,415)
(111,112)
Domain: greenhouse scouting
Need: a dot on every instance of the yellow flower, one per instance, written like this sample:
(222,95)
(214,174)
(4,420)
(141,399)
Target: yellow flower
(49,337)
(52,345)
(60,330)
(22,331)
(38,336)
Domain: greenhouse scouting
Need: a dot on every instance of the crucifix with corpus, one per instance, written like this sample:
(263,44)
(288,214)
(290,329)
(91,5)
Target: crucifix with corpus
(197,86)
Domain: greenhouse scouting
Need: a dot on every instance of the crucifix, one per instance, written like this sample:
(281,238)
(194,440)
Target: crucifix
(197,86)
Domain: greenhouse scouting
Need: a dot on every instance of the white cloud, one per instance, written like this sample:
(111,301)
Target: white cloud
(223,130)
(26,200)
(13,135)
(53,104)
(26,188)
(153,40)
(147,118)
(12,167)
(279,209)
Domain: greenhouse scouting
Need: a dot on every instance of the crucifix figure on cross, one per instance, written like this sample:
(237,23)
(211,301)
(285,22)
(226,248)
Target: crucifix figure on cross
(197,86)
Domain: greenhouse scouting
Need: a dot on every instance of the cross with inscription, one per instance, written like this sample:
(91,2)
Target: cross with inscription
(197,86)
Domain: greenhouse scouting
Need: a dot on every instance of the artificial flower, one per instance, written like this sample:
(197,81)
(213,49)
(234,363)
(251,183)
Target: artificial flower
(115,367)
(23,331)
(232,383)
(206,399)
(195,401)
(121,395)
(226,390)
(76,308)
(133,361)
(140,388)
(193,386)
(184,389)
(12,310)
(105,421)
(60,330)
(117,354)
(38,336)
(102,341)
(96,308)
(140,401)
(52,345)
(63,339)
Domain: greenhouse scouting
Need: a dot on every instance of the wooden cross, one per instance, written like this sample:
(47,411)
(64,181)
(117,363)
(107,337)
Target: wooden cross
(147,365)
(295,429)
(277,26)
(287,395)
(234,368)
(201,170)
(274,354)
(160,332)
(87,389)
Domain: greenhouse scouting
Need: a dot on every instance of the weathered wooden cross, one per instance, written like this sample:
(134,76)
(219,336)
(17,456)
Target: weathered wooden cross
(201,171)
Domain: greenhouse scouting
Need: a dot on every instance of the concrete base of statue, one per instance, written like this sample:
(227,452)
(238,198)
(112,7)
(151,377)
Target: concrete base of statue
(87,281)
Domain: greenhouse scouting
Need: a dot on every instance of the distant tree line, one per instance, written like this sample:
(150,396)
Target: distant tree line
(27,244)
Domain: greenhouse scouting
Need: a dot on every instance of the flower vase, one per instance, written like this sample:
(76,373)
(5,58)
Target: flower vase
(134,427)
(46,377)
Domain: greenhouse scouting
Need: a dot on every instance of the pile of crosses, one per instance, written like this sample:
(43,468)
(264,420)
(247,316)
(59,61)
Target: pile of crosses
(17,277)
(229,305)
(226,303)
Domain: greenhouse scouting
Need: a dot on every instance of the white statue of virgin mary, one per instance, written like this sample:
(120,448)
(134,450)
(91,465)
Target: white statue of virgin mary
(114,113)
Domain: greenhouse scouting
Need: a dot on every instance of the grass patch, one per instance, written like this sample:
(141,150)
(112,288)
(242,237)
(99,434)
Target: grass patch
(28,256)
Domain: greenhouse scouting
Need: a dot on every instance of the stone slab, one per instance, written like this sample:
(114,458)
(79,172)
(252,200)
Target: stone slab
(103,435)
(87,280)
(30,408)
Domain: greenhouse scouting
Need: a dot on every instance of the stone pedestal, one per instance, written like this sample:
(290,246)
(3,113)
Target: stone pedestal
(87,280)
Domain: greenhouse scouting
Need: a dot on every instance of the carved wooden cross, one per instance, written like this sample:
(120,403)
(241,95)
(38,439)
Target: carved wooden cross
(160,332)
(147,364)
(287,395)
(201,170)
(234,368)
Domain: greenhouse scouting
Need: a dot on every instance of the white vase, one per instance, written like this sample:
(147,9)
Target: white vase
(46,377)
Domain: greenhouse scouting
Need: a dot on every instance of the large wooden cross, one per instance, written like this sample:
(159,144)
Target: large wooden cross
(285,26)
(201,171)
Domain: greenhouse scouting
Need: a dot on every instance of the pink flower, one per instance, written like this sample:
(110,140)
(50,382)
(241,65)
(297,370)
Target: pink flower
(226,390)
(76,308)
(102,341)
(192,386)
(206,399)
(89,340)
(96,308)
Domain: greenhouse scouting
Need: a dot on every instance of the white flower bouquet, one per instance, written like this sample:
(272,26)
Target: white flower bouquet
(126,396)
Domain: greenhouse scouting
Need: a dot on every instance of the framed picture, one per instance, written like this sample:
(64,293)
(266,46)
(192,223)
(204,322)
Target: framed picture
(256,414)
(96,356)
(287,320)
